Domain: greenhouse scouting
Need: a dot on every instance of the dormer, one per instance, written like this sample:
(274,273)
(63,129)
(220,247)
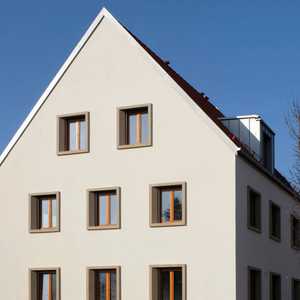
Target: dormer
(256,136)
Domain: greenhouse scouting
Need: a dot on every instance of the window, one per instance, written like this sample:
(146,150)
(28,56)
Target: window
(73,133)
(104,208)
(295,232)
(168,204)
(254,280)
(295,289)
(135,126)
(44,284)
(44,212)
(168,282)
(254,210)
(275,286)
(275,221)
(104,283)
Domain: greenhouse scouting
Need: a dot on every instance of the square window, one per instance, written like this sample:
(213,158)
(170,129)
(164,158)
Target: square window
(104,283)
(168,282)
(73,133)
(295,233)
(44,212)
(275,286)
(254,288)
(168,204)
(275,221)
(254,210)
(135,126)
(44,284)
(295,289)
(104,208)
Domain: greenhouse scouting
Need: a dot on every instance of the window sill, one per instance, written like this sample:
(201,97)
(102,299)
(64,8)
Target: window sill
(257,230)
(104,227)
(275,238)
(132,146)
(61,153)
(45,230)
(173,224)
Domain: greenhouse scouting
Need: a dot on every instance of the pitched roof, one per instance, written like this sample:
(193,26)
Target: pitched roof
(199,98)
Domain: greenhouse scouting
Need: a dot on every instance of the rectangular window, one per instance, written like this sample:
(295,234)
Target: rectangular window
(44,284)
(254,210)
(254,288)
(275,286)
(295,232)
(295,289)
(44,212)
(73,133)
(275,221)
(104,208)
(104,283)
(168,283)
(168,204)
(135,126)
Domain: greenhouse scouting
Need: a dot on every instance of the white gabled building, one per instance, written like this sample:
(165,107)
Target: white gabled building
(124,182)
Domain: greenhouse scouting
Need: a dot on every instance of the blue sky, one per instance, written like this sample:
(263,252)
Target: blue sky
(245,55)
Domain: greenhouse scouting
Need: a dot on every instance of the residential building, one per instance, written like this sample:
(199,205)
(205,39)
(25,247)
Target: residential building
(125,182)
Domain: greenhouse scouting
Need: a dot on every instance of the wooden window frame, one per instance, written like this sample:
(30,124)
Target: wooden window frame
(292,287)
(90,193)
(62,133)
(293,246)
(273,237)
(271,285)
(249,282)
(153,203)
(33,285)
(153,288)
(90,287)
(122,113)
(253,228)
(34,212)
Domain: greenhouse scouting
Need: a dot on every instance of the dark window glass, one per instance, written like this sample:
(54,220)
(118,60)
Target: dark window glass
(295,232)
(275,287)
(295,289)
(254,210)
(170,284)
(275,221)
(254,284)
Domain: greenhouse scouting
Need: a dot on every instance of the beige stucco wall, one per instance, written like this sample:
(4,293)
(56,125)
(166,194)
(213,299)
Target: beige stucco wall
(111,71)
(257,249)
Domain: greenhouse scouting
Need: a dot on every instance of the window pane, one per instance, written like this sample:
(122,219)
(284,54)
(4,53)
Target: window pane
(102,285)
(83,137)
(113,285)
(54,212)
(178,285)
(178,205)
(254,210)
(296,290)
(102,208)
(53,276)
(165,206)
(72,136)
(255,285)
(44,213)
(145,128)
(114,209)
(132,129)
(45,287)
(165,285)
(275,287)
